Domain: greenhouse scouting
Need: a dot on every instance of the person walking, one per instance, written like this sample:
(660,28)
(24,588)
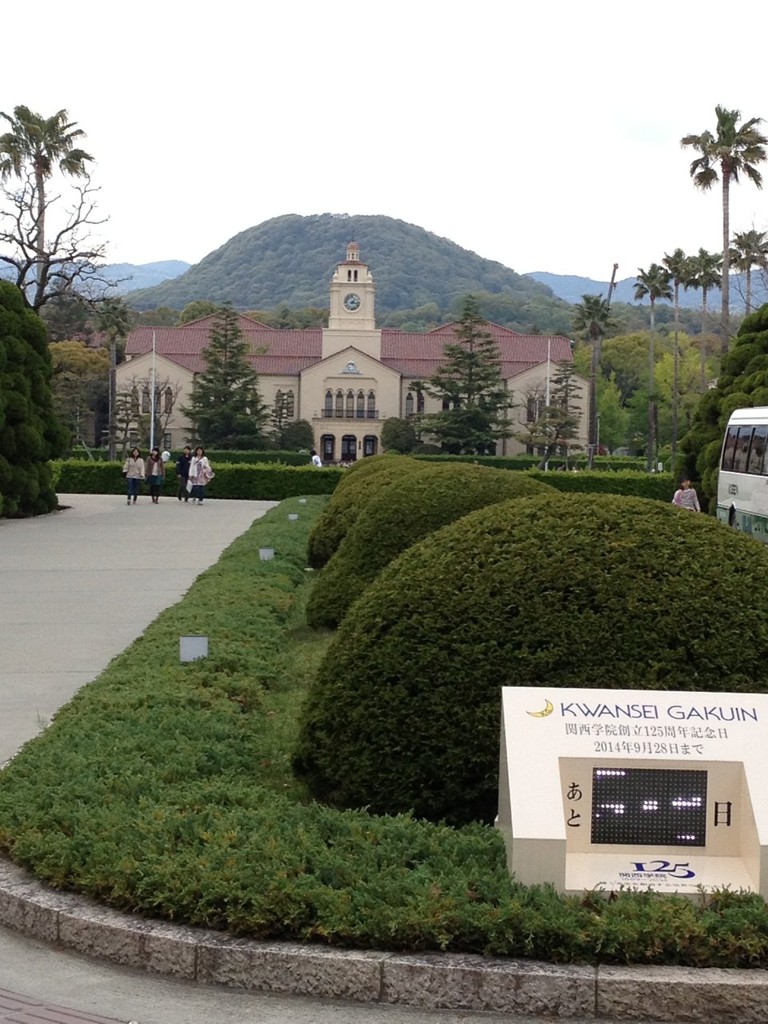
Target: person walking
(316,460)
(155,474)
(133,471)
(686,497)
(200,473)
(182,473)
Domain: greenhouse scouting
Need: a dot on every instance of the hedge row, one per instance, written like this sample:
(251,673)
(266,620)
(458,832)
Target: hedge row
(658,486)
(246,482)
(609,463)
(287,458)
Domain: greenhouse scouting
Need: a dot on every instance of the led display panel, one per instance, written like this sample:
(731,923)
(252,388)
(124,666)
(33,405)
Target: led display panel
(649,806)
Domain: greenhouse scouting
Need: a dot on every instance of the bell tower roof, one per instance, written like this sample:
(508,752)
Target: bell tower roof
(353,253)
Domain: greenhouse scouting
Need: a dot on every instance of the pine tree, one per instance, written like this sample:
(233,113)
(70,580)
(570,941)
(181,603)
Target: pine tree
(557,427)
(471,387)
(225,408)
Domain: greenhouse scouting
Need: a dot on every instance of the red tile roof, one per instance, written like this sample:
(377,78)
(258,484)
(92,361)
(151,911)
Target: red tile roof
(287,352)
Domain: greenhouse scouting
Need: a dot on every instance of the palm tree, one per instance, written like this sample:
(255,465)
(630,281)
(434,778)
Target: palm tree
(704,272)
(593,317)
(734,149)
(653,282)
(35,145)
(750,249)
(678,266)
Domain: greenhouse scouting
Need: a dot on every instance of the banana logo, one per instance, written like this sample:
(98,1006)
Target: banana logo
(549,707)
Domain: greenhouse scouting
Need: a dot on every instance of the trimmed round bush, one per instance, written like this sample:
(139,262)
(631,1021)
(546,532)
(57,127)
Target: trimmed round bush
(556,590)
(409,509)
(352,493)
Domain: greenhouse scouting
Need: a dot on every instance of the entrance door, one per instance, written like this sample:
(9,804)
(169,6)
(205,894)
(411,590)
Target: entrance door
(348,448)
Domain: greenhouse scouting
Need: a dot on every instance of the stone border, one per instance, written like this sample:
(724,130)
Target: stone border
(430,981)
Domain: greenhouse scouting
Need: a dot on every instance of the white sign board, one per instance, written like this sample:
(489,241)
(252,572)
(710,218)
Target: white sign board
(610,789)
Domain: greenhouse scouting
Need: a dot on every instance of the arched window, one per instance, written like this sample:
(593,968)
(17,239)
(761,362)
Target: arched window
(360,405)
(134,401)
(409,404)
(371,405)
(339,402)
(350,404)
(290,405)
(328,410)
(327,444)
(146,404)
(168,400)
(278,399)
(419,402)
(370,445)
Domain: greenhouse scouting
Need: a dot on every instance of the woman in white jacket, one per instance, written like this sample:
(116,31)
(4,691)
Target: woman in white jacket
(200,473)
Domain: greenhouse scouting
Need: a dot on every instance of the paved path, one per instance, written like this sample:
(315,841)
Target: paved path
(77,586)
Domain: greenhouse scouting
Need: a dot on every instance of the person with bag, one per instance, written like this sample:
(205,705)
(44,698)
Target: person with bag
(155,474)
(200,474)
(182,473)
(133,471)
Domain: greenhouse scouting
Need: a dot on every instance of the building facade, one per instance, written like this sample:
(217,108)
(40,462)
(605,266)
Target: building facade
(345,379)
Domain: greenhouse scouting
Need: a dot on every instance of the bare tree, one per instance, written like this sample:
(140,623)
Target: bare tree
(133,417)
(68,263)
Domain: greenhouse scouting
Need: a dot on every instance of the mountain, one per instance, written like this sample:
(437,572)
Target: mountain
(571,288)
(129,276)
(290,260)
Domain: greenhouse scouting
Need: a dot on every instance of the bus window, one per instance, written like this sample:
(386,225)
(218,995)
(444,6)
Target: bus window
(741,453)
(729,448)
(757,450)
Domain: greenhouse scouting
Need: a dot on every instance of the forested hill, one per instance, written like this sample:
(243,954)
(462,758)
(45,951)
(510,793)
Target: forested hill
(290,261)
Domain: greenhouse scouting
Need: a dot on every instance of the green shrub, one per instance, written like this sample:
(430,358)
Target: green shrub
(355,489)
(407,510)
(560,590)
(248,482)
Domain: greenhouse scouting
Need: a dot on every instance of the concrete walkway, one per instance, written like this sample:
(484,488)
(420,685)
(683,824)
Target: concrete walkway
(76,587)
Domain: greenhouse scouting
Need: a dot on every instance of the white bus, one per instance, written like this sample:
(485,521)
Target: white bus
(742,483)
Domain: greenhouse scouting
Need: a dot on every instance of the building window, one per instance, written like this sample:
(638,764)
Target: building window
(328,403)
(339,403)
(419,402)
(290,405)
(360,405)
(146,405)
(350,404)
(167,441)
(168,401)
(532,409)
(370,445)
(371,405)
(134,401)
(327,444)
(409,404)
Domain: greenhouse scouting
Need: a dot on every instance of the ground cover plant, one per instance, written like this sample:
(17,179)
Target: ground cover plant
(166,790)
(552,590)
(392,519)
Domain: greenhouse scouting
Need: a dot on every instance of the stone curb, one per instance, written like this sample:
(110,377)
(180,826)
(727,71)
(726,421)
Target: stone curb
(430,981)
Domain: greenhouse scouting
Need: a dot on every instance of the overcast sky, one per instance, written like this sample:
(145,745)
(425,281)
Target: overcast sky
(545,136)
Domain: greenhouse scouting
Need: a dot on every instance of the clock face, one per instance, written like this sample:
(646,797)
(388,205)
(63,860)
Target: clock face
(351,302)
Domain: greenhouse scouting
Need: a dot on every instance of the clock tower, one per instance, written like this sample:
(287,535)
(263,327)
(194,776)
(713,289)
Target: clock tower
(352,295)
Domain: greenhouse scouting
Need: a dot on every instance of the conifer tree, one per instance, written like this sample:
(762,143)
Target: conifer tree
(30,434)
(471,387)
(226,410)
